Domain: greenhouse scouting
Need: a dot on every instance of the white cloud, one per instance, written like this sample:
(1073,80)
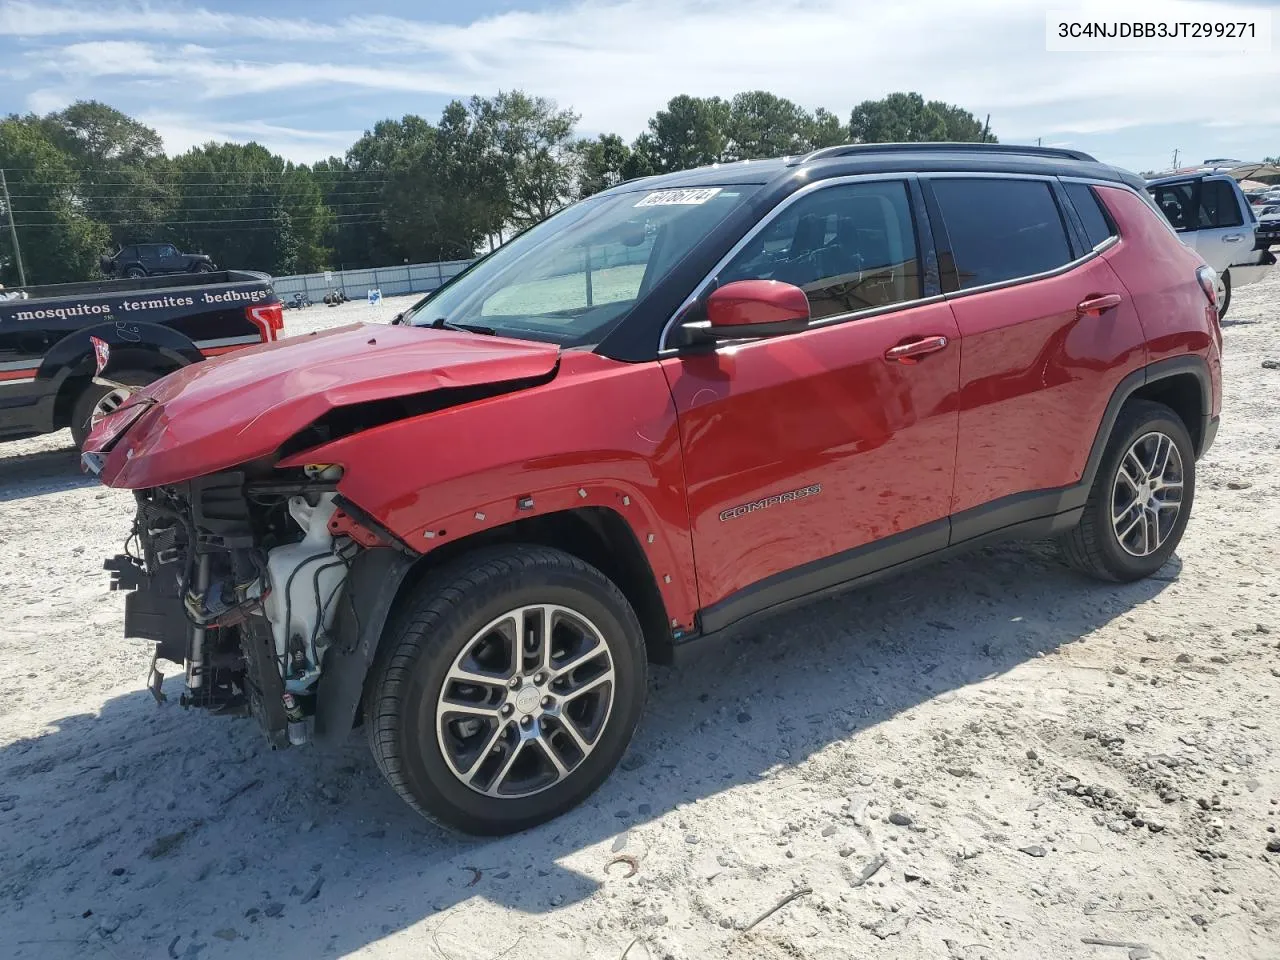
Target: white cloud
(616,61)
(28,18)
(47,101)
(181,132)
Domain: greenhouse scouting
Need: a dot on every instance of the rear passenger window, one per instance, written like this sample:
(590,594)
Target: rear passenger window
(1097,225)
(1001,229)
(1218,205)
(849,248)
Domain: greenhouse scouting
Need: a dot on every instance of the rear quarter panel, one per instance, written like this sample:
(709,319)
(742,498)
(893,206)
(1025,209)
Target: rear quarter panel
(1160,274)
(601,434)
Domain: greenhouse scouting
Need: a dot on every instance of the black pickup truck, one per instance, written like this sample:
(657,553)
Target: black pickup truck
(49,377)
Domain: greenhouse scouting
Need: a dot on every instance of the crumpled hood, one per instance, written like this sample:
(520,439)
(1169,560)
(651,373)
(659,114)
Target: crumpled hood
(229,410)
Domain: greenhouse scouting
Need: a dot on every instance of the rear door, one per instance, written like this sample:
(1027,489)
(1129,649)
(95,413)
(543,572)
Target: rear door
(149,257)
(1047,332)
(1223,235)
(800,449)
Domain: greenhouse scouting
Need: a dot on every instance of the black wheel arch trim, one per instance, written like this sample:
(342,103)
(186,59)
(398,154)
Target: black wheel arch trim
(373,584)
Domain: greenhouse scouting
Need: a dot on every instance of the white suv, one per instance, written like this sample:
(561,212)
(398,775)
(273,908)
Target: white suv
(1212,215)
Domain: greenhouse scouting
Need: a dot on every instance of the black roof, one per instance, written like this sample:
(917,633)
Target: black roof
(852,159)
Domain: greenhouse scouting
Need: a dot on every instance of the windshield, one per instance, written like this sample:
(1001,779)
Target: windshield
(574,275)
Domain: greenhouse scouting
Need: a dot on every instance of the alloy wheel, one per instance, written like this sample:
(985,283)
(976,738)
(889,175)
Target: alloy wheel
(109,404)
(525,701)
(1146,496)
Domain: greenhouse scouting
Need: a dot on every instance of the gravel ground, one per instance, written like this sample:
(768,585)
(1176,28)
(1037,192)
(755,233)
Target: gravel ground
(995,759)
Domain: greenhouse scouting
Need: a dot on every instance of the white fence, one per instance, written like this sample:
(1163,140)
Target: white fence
(392,281)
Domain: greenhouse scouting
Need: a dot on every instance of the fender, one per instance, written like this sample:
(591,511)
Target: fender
(73,354)
(611,442)
(1126,388)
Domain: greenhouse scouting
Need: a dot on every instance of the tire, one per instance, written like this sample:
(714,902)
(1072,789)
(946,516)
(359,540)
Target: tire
(1224,293)
(134,273)
(1095,545)
(83,412)
(203,268)
(454,620)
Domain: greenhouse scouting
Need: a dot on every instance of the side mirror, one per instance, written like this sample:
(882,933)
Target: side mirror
(752,308)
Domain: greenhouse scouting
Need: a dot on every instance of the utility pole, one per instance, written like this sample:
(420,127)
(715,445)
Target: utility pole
(13,230)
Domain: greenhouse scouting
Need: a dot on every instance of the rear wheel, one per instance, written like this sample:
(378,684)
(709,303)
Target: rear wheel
(509,691)
(97,401)
(1141,497)
(134,273)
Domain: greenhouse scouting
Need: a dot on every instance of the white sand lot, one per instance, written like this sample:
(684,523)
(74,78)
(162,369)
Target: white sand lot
(1011,710)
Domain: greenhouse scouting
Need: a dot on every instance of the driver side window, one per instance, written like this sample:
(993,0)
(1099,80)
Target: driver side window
(850,248)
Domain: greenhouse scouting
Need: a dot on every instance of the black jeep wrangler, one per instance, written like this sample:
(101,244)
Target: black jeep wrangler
(153,259)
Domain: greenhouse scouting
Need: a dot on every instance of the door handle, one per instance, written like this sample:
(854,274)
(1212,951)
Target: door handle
(1095,306)
(913,351)
(1233,238)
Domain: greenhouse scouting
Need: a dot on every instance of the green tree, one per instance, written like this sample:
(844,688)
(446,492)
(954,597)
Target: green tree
(58,242)
(234,201)
(826,130)
(690,132)
(446,189)
(907,118)
(122,167)
(531,140)
(601,163)
(761,125)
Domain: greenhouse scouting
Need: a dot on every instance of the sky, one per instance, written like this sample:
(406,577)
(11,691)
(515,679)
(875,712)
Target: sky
(307,77)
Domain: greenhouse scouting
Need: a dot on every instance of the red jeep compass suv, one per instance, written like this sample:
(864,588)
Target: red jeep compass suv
(673,406)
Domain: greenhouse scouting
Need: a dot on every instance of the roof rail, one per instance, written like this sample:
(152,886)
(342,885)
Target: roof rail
(856,149)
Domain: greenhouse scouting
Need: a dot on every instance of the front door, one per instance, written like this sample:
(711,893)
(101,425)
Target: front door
(801,449)
(169,261)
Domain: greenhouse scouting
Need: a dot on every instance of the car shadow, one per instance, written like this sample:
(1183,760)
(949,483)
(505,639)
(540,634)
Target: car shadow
(149,827)
(45,471)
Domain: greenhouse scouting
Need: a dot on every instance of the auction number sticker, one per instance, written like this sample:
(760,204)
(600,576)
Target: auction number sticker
(667,198)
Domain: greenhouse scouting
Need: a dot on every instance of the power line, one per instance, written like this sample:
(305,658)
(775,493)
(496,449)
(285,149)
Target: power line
(274,221)
(249,178)
(255,206)
(189,196)
(213,223)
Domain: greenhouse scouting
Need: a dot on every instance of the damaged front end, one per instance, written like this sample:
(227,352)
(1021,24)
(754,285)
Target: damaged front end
(240,580)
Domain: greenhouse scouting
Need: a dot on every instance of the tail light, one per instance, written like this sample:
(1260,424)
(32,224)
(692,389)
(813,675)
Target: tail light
(268,318)
(1208,278)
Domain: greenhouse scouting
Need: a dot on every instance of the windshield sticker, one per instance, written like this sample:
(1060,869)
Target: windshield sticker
(665,198)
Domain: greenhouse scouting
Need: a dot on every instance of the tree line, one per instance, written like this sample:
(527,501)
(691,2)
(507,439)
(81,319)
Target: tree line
(88,179)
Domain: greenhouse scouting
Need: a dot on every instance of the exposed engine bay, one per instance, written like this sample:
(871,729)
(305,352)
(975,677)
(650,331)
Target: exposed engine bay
(241,581)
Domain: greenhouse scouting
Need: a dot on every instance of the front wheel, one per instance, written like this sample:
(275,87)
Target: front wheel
(203,268)
(509,691)
(97,401)
(1141,497)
